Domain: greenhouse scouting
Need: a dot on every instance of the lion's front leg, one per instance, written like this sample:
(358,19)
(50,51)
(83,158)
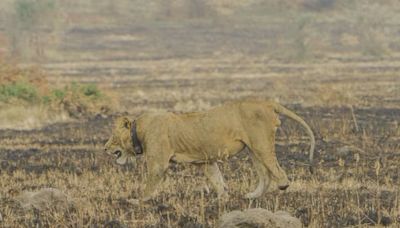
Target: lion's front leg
(155,176)
(158,154)
(214,175)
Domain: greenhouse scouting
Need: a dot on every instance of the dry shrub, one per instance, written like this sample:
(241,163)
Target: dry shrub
(10,73)
(82,100)
(21,84)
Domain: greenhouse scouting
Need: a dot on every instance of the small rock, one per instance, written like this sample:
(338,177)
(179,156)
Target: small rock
(386,220)
(133,201)
(258,217)
(348,150)
(45,198)
(78,171)
(373,218)
(186,221)
(163,208)
(114,224)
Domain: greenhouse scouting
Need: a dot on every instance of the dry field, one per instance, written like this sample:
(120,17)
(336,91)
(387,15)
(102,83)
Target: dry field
(356,180)
(347,92)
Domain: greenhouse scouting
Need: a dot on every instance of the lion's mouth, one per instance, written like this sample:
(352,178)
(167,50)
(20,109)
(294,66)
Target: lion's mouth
(118,153)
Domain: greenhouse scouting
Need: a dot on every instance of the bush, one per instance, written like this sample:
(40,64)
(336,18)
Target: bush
(79,100)
(91,90)
(58,94)
(29,86)
(20,90)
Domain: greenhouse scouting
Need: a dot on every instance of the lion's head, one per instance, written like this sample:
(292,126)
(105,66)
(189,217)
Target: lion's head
(120,142)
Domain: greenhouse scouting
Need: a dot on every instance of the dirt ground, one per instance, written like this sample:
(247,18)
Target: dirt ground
(350,99)
(346,190)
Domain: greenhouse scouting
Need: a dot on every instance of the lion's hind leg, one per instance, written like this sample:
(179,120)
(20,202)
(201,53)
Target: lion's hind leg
(214,175)
(265,154)
(263,178)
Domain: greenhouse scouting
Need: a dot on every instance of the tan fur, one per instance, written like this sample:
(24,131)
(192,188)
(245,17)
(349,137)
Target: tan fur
(203,138)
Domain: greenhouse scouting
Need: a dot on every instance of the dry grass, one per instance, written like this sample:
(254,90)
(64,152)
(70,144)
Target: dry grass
(29,117)
(336,66)
(348,189)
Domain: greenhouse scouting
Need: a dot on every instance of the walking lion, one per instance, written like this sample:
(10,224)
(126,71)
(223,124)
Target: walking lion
(203,139)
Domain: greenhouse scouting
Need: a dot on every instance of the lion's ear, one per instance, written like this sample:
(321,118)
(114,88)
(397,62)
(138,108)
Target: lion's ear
(124,122)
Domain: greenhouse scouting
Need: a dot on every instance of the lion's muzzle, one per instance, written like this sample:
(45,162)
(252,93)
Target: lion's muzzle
(117,153)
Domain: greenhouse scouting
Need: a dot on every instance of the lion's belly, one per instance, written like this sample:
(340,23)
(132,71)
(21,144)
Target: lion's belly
(205,138)
(208,152)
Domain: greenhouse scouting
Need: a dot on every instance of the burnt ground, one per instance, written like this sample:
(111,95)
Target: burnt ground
(332,60)
(74,149)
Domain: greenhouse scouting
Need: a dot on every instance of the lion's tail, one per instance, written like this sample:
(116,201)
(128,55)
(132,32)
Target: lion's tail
(282,110)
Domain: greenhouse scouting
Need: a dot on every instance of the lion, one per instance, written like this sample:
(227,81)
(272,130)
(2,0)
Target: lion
(204,139)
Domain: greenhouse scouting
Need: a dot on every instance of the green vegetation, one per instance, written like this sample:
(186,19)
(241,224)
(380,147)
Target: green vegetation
(89,91)
(29,87)
(27,92)
(29,14)
(20,91)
